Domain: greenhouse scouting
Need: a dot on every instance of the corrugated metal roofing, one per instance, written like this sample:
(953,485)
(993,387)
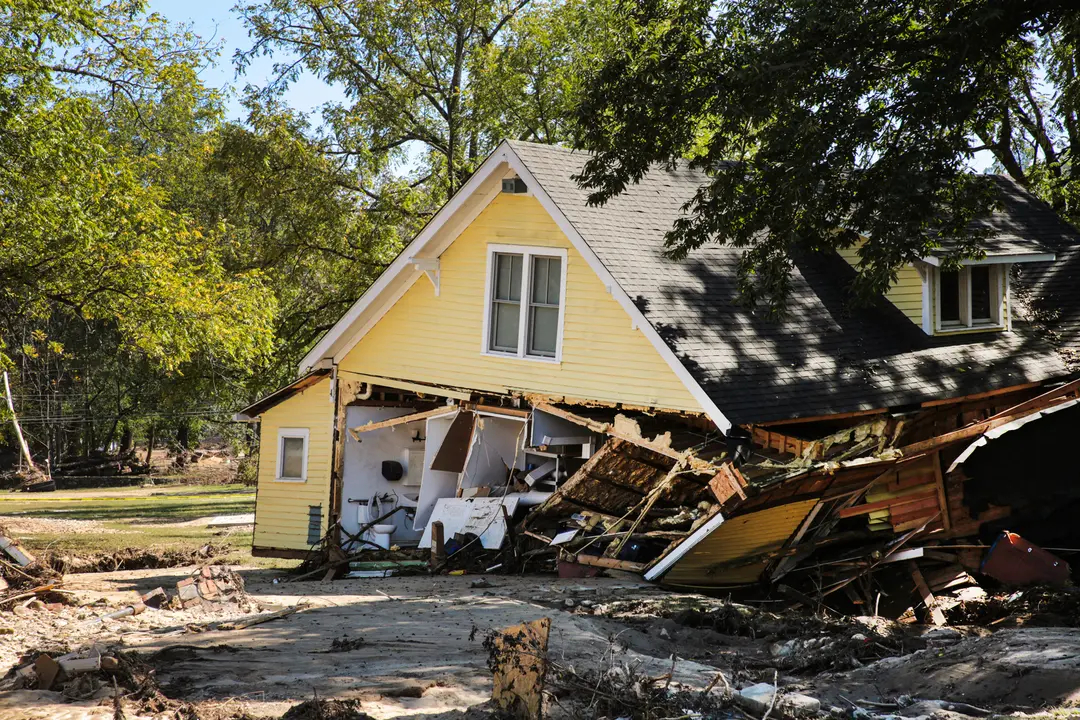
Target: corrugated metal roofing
(745,536)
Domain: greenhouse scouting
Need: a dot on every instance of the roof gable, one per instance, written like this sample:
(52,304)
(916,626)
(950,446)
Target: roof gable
(446,226)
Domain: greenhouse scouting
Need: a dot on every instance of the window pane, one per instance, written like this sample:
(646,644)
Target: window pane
(292,457)
(543,330)
(540,282)
(980,293)
(554,279)
(507,277)
(950,296)
(504,326)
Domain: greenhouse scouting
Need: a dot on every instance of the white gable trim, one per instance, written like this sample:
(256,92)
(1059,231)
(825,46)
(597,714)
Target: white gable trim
(407,260)
(404,265)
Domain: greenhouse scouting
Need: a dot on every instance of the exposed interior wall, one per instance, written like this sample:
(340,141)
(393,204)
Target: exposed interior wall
(362,475)
(906,293)
(282,507)
(438,339)
(497,445)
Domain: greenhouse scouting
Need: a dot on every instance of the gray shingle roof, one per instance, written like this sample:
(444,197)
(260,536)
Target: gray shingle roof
(823,358)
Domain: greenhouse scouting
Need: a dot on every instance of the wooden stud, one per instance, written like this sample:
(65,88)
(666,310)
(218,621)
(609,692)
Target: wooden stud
(928,599)
(438,549)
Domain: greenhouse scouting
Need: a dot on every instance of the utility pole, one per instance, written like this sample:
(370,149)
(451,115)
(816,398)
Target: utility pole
(18,429)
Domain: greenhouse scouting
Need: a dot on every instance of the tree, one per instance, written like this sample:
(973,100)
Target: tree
(288,211)
(110,295)
(822,122)
(432,85)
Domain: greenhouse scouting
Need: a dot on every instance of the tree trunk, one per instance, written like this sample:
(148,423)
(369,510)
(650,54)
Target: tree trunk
(127,440)
(15,422)
(183,435)
(150,438)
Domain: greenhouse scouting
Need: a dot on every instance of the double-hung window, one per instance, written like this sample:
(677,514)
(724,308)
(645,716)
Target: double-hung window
(970,297)
(292,454)
(526,289)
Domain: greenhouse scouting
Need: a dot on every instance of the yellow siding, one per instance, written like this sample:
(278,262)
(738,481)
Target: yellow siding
(438,339)
(281,508)
(745,536)
(906,292)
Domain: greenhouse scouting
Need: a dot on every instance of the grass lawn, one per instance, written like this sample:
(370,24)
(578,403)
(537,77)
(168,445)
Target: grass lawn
(145,518)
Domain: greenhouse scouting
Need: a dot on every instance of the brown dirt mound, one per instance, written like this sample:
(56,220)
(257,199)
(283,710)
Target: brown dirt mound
(317,709)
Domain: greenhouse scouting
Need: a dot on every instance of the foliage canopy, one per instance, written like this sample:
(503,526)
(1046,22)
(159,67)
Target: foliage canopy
(820,122)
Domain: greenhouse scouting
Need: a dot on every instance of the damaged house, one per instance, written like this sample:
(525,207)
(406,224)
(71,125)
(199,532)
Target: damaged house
(531,369)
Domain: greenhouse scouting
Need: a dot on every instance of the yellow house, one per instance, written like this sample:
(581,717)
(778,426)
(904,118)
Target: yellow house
(519,298)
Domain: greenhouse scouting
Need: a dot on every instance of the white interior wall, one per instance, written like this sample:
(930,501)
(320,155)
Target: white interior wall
(497,444)
(362,473)
(437,483)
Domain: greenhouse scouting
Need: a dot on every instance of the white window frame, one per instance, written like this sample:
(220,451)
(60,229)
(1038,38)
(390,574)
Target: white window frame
(303,433)
(528,252)
(999,290)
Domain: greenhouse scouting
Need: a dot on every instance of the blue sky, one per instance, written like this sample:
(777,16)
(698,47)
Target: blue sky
(217,20)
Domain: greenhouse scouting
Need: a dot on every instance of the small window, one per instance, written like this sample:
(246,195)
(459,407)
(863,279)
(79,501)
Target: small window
(544,306)
(292,454)
(981,303)
(970,297)
(524,316)
(950,296)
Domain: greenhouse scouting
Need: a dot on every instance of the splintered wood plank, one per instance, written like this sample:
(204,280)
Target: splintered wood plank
(928,599)
(519,659)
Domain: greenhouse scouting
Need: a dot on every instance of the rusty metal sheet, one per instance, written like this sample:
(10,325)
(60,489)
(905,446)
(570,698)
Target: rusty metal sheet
(715,560)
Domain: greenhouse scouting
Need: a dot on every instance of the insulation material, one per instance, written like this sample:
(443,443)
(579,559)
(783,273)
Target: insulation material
(715,560)
(616,478)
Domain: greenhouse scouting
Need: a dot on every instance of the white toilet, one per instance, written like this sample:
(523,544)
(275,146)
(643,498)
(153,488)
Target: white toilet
(380,533)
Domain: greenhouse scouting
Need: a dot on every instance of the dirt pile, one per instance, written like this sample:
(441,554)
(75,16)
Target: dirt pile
(133,559)
(319,709)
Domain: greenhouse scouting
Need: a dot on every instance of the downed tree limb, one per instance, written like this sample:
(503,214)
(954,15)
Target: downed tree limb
(259,619)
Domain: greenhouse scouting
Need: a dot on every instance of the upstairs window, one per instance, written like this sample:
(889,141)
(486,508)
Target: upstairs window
(525,302)
(971,297)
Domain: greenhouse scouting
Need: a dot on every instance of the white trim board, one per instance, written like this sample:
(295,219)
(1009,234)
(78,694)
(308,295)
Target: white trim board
(660,569)
(997,259)
(431,242)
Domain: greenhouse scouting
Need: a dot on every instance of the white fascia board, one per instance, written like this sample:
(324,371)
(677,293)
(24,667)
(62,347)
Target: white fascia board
(998,259)
(620,295)
(660,569)
(406,260)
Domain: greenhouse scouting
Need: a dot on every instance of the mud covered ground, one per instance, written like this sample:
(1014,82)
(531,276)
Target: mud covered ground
(409,647)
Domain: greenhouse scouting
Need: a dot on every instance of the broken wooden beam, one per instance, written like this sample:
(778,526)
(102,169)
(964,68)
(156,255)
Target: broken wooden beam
(404,419)
(609,563)
(936,616)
